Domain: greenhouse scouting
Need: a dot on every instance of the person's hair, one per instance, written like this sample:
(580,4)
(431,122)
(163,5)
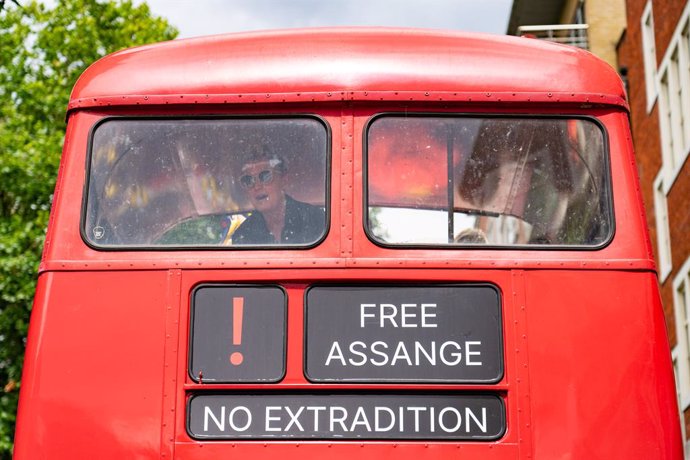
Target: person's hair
(471,235)
(261,153)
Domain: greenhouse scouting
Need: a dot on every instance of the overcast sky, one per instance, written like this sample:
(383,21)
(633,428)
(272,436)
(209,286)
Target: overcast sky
(206,17)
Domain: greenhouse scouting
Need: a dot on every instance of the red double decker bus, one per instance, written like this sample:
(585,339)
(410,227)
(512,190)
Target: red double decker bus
(348,242)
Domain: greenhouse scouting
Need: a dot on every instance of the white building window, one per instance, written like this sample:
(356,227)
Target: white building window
(684,80)
(676,109)
(673,83)
(668,141)
(681,304)
(663,235)
(649,54)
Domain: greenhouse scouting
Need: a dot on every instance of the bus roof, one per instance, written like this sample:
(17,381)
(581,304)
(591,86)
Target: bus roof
(349,64)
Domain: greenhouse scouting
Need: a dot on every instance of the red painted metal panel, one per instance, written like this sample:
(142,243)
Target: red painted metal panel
(94,367)
(346,63)
(600,368)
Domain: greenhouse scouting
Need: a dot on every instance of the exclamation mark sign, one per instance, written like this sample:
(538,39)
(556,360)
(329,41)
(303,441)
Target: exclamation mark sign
(237,313)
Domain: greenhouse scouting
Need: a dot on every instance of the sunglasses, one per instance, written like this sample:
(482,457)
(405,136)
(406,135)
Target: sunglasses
(264,177)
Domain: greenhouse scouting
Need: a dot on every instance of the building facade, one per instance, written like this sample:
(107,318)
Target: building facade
(648,41)
(595,25)
(655,51)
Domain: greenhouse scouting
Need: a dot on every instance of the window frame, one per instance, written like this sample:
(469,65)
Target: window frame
(487,247)
(681,298)
(649,55)
(205,248)
(663,234)
(673,83)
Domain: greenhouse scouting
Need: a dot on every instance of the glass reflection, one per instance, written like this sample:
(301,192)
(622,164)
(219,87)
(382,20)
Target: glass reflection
(487,181)
(179,183)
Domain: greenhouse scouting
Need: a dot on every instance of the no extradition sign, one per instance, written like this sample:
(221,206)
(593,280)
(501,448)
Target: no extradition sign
(431,333)
(346,416)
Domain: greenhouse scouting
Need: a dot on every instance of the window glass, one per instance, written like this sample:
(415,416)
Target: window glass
(487,181)
(207,182)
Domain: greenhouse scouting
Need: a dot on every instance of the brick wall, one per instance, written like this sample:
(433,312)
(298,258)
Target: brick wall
(666,15)
(678,200)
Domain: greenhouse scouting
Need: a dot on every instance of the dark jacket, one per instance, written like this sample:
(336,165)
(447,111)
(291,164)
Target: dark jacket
(304,224)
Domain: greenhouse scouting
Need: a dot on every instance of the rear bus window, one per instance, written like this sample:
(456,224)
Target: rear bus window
(505,181)
(207,183)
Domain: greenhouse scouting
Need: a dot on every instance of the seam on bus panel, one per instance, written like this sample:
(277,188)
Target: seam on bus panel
(346,181)
(524,98)
(521,356)
(170,361)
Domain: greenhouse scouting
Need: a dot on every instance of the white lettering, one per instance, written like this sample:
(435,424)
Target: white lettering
(469,353)
(416,411)
(380,353)
(429,357)
(377,418)
(340,420)
(269,418)
(405,315)
(332,354)
(209,413)
(316,410)
(360,419)
(391,316)
(363,314)
(443,425)
(426,315)
(457,355)
(375,351)
(293,418)
(231,418)
(469,414)
(362,355)
(401,353)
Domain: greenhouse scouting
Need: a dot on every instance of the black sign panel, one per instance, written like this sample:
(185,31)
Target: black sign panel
(404,333)
(346,416)
(238,334)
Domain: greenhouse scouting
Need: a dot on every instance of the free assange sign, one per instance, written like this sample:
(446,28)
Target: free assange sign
(424,333)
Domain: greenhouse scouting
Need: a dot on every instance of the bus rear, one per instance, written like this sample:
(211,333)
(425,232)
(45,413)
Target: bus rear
(348,242)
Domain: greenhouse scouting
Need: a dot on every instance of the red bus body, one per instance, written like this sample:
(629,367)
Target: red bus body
(587,373)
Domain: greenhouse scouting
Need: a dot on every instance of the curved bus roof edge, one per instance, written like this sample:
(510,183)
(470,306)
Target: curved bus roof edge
(349,64)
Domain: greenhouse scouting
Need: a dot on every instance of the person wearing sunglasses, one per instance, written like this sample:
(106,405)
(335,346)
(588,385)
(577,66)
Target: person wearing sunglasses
(277,217)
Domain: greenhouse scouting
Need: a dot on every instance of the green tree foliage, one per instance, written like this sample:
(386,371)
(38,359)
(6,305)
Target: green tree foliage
(43,50)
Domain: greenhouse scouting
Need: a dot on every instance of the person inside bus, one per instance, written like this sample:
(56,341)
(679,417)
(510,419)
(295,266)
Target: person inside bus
(277,218)
(471,236)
